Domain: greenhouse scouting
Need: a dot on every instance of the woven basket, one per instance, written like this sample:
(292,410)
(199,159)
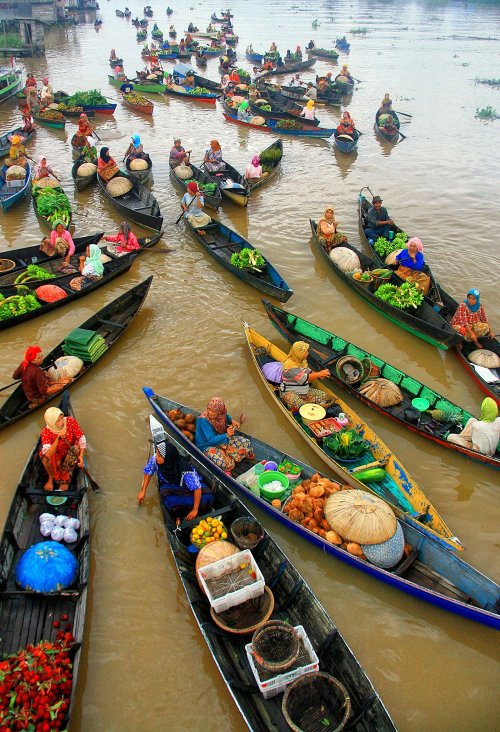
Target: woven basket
(275,646)
(247,617)
(6,265)
(138,164)
(313,699)
(212,553)
(48,183)
(348,376)
(247,532)
(119,186)
(86,169)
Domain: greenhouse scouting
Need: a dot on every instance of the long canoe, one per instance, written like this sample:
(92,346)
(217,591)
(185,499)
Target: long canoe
(141,105)
(25,255)
(221,242)
(290,69)
(82,182)
(41,217)
(138,204)
(326,348)
(323,53)
(143,87)
(209,98)
(139,175)
(232,184)
(279,112)
(387,136)
(13,191)
(397,488)
(56,124)
(5,143)
(110,322)
(272,126)
(274,165)
(294,602)
(182,70)
(346,143)
(332,98)
(425,322)
(213,199)
(26,617)
(430,573)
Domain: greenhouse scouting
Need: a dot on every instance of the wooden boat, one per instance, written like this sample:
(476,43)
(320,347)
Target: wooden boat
(294,602)
(209,98)
(172,34)
(214,199)
(82,182)
(141,35)
(425,322)
(158,34)
(255,58)
(208,36)
(279,112)
(127,13)
(346,143)
(115,62)
(25,255)
(75,112)
(120,13)
(138,204)
(342,45)
(141,105)
(232,184)
(290,68)
(26,617)
(56,124)
(209,52)
(146,87)
(382,133)
(323,53)
(272,126)
(11,192)
(397,488)
(276,146)
(109,108)
(231,39)
(345,87)
(5,143)
(182,69)
(11,80)
(110,323)
(118,265)
(140,175)
(221,242)
(45,219)
(327,347)
(430,573)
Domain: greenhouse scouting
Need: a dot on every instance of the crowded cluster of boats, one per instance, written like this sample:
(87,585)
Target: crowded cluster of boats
(372,515)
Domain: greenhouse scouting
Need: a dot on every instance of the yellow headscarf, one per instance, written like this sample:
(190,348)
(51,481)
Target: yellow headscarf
(296,358)
(489,410)
(310,104)
(51,416)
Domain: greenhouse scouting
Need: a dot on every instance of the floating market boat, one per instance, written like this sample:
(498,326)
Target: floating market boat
(11,80)
(299,129)
(212,195)
(222,243)
(232,184)
(5,143)
(28,618)
(381,132)
(292,601)
(13,191)
(33,255)
(424,321)
(346,143)
(140,175)
(179,90)
(323,53)
(61,208)
(278,111)
(82,182)
(109,324)
(393,485)
(50,118)
(255,58)
(435,421)
(142,87)
(290,68)
(270,159)
(138,204)
(182,70)
(138,103)
(344,87)
(104,108)
(430,572)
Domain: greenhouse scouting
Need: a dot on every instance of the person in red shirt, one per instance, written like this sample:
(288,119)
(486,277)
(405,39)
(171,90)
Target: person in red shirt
(36,384)
(125,239)
(346,126)
(63,448)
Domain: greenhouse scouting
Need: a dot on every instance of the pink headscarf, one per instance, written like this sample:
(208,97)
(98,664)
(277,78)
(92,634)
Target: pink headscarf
(415,240)
(219,423)
(256,161)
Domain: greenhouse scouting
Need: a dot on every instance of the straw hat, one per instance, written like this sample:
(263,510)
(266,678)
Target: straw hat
(483,357)
(360,517)
(383,392)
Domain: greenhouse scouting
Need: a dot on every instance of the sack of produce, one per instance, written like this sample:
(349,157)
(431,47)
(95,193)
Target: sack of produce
(50,293)
(48,183)
(383,392)
(345,259)
(16,172)
(119,186)
(86,169)
(257,121)
(343,79)
(138,164)
(183,172)
(65,367)
(483,357)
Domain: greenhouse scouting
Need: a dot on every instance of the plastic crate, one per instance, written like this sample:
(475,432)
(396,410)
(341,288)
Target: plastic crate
(226,566)
(277,684)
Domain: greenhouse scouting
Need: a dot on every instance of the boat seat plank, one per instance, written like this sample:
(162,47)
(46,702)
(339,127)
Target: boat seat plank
(403,566)
(113,323)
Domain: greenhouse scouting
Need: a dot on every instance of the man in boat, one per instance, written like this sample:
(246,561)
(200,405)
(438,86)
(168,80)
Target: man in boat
(311,92)
(30,91)
(191,28)
(279,63)
(389,126)
(379,223)
(189,80)
(311,45)
(126,87)
(255,74)
(47,93)
(36,384)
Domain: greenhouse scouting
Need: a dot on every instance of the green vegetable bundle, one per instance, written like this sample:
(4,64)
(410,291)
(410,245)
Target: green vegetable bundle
(288,124)
(346,444)
(406,296)
(199,90)
(16,305)
(33,272)
(383,246)
(86,98)
(209,188)
(248,259)
(52,204)
(269,157)
(265,107)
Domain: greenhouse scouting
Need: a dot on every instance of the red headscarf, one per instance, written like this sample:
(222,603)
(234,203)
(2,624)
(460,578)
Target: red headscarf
(30,355)
(219,423)
(192,187)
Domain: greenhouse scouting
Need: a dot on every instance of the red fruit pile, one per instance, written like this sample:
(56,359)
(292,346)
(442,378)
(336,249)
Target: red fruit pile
(35,686)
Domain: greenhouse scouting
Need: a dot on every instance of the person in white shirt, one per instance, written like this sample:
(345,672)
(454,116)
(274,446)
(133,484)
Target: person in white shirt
(483,434)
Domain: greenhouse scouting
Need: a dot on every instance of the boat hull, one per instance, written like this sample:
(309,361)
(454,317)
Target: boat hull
(133,203)
(310,132)
(9,198)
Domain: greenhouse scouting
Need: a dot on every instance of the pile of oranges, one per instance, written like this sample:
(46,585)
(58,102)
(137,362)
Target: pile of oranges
(207,531)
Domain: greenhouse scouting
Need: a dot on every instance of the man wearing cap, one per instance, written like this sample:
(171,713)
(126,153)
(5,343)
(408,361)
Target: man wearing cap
(379,223)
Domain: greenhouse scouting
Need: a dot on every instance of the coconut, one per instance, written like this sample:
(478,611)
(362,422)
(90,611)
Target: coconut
(138,164)
(86,169)
(48,183)
(119,186)
(483,357)
(345,259)
(258,121)
(16,172)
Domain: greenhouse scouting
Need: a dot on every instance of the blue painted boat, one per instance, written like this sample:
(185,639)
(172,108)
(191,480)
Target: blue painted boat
(167,54)
(5,143)
(346,143)
(430,572)
(100,108)
(255,58)
(13,191)
(271,126)
(209,98)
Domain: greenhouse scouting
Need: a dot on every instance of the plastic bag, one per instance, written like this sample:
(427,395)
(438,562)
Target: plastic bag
(57,533)
(60,520)
(47,517)
(72,523)
(70,535)
(46,528)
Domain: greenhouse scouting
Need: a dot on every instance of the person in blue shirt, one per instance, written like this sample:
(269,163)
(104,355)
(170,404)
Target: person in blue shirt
(192,203)
(127,87)
(215,436)
(379,223)
(411,265)
(181,487)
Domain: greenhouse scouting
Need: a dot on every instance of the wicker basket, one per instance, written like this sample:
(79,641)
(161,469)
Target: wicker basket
(316,702)
(6,265)
(247,617)
(275,646)
(247,532)
(212,553)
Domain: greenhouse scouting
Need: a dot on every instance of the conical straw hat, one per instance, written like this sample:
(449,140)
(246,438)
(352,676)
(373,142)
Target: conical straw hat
(360,517)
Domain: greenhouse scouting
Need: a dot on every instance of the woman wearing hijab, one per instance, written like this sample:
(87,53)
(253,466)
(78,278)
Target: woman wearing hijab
(470,319)
(308,111)
(213,158)
(17,152)
(63,448)
(36,384)
(385,105)
(43,170)
(254,169)
(346,125)
(483,434)
(411,265)
(106,166)
(192,203)
(215,436)
(180,486)
(135,150)
(296,378)
(177,154)
(84,130)
(59,243)
(91,267)
(326,230)
(126,240)
(244,113)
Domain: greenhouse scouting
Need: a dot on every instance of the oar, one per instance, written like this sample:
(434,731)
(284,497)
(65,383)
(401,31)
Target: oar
(93,483)
(403,137)
(403,114)
(180,217)
(15,383)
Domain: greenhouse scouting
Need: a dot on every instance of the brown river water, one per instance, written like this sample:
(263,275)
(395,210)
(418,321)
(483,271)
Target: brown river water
(145,665)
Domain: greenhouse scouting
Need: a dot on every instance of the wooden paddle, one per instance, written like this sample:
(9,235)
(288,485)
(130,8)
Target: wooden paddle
(403,114)
(403,137)
(93,483)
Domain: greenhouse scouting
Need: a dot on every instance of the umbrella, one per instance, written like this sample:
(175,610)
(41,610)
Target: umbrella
(46,567)
(360,517)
